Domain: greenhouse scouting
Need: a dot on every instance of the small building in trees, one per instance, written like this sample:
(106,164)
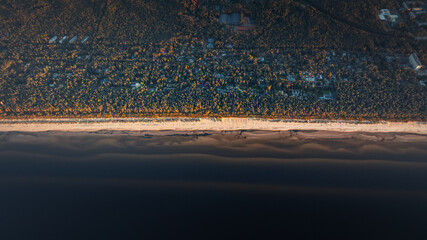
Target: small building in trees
(84,39)
(105,81)
(415,62)
(53,39)
(135,85)
(386,16)
(73,39)
(230,19)
(327,96)
(296,93)
(415,6)
(236,21)
(211,43)
(62,39)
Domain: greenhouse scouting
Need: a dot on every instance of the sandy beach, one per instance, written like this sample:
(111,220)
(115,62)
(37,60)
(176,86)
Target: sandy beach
(206,124)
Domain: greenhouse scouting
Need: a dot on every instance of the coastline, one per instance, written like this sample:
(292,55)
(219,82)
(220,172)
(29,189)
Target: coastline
(206,124)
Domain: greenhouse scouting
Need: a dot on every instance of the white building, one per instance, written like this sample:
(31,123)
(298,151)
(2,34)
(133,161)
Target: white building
(84,39)
(135,85)
(327,96)
(415,62)
(73,39)
(413,6)
(52,40)
(385,15)
(230,19)
(62,39)
(296,93)
(309,77)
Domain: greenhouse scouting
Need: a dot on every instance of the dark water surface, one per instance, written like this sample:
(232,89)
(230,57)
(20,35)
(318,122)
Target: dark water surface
(133,185)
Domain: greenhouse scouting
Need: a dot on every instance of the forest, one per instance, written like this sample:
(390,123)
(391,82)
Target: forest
(317,59)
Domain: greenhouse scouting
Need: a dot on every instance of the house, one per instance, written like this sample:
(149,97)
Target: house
(383,14)
(246,24)
(230,19)
(327,96)
(386,16)
(237,21)
(223,18)
(296,93)
(415,6)
(421,24)
(222,91)
(135,85)
(52,40)
(73,39)
(282,93)
(309,77)
(62,39)
(211,42)
(233,88)
(84,39)
(415,62)
(218,8)
(218,75)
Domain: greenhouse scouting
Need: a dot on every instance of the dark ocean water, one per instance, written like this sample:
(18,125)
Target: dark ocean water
(290,185)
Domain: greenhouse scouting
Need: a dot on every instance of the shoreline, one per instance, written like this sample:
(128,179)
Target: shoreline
(206,124)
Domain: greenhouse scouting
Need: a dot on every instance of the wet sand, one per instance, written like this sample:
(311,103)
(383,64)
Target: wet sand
(249,144)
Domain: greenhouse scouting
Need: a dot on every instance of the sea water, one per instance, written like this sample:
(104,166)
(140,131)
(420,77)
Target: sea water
(151,185)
